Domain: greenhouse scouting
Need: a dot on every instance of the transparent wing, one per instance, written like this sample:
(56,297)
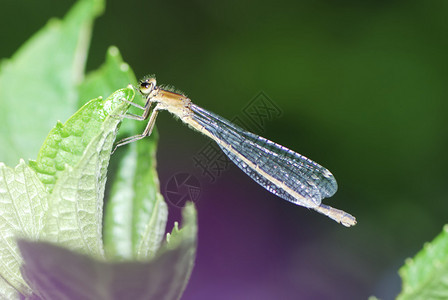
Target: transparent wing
(280,170)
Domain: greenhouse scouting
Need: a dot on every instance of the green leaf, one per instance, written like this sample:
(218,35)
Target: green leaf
(112,75)
(185,240)
(57,273)
(135,216)
(71,214)
(150,211)
(65,144)
(177,235)
(23,205)
(155,213)
(426,275)
(78,153)
(136,212)
(7,291)
(59,196)
(40,81)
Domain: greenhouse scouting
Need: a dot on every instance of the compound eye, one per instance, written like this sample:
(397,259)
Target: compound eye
(147,86)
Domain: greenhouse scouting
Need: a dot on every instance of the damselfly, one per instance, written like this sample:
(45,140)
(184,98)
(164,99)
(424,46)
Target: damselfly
(278,169)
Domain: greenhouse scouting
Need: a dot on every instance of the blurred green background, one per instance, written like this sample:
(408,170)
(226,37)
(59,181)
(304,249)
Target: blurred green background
(363,90)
